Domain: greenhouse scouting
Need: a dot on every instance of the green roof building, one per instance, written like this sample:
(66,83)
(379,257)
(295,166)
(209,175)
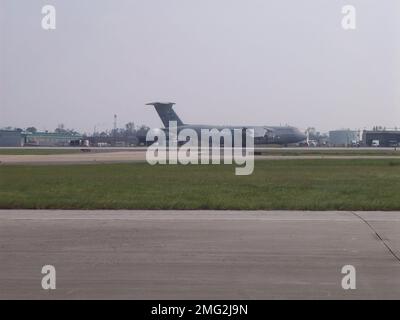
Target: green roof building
(47,139)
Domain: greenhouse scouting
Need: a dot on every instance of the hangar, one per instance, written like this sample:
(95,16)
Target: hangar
(385,138)
(18,138)
(343,138)
(50,139)
(11,138)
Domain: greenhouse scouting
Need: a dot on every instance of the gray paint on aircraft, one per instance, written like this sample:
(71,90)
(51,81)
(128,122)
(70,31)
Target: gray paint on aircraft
(262,134)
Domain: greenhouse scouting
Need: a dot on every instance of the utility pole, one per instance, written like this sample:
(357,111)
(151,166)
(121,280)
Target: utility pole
(115,129)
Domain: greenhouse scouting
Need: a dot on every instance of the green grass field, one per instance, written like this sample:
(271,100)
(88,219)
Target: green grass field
(286,184)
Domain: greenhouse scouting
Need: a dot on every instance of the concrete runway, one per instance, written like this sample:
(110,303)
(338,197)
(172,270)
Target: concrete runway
(199,254)
(134,156)
(75,158)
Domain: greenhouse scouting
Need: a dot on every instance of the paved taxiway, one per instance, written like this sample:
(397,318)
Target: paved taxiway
(134,156)
(199,254)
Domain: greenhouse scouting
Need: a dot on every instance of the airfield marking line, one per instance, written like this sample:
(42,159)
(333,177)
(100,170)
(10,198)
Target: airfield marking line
(377,234)
(170,215)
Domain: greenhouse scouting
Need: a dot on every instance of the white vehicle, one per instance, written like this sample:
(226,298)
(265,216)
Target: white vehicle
(375,143)
(312,143)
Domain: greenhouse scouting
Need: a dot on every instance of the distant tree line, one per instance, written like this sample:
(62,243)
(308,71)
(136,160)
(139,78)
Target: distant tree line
(129,135)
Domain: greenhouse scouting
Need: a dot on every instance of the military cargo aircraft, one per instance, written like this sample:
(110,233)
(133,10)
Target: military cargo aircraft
(281,135)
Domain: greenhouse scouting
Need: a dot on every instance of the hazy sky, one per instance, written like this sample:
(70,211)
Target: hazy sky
(222,61)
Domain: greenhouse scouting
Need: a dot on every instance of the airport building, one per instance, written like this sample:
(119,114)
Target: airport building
(343,138)
(11,138)
(17,138)
(47,139)
(381,138)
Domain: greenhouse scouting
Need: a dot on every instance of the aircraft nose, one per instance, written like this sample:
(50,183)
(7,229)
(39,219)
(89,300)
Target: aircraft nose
(300,136)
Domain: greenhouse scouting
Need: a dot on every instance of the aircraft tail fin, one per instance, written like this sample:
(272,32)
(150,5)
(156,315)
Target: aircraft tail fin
(166,113)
